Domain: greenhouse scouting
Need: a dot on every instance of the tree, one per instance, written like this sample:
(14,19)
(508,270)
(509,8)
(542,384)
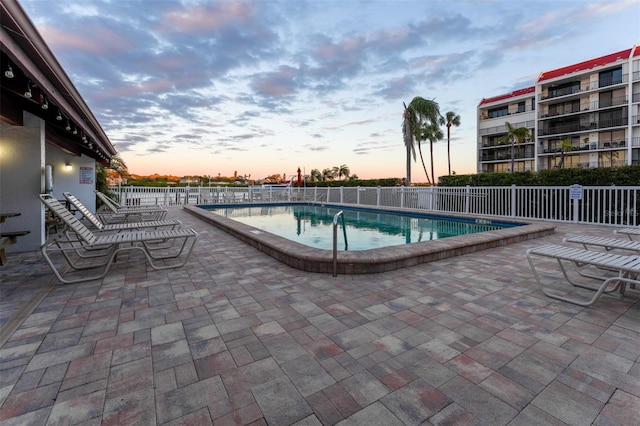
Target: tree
(116,169)
(328,174)
(450,119)
(419,111)
(433,133)
(515,135)
(565,146)
(316,176)
(342,171)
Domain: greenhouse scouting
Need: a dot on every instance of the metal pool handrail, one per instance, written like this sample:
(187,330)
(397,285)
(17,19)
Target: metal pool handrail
(335,240)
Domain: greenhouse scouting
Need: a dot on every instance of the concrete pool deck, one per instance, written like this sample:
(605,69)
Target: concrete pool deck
(236,337)
(377,260)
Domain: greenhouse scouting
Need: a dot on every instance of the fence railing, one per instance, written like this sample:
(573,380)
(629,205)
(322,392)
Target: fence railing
(608,205)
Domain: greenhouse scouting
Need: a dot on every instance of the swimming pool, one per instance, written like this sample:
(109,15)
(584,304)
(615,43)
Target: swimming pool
(374,260)
(358,229)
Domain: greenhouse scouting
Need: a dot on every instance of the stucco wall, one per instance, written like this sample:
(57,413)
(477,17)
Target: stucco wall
(23,156)
(21,179)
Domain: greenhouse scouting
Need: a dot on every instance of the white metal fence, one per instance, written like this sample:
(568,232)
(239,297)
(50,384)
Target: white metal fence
(610,205)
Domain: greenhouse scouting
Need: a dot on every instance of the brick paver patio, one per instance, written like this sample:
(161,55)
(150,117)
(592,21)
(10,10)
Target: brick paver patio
(237,338)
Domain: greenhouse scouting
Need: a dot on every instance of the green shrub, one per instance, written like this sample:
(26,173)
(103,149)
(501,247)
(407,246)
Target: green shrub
(601,176)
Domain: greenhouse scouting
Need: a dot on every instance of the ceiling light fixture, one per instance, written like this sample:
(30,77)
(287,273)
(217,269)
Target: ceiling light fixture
(75,130)
(27,93)
(9,72)
(68,128)
(45,104)
(59,116)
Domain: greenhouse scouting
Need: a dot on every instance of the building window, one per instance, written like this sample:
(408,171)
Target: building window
(608,78)
(521,106)
(498,112)
(564,89)
(533,104)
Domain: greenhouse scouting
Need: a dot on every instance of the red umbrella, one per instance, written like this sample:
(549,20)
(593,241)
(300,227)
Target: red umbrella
(299,176)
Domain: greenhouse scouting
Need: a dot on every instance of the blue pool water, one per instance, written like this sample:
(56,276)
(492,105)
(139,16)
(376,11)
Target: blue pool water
(312,225)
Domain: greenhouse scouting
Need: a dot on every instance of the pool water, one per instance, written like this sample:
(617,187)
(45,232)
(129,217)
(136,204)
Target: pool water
(312,225)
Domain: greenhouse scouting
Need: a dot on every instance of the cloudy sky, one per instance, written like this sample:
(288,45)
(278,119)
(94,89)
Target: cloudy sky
(262,87)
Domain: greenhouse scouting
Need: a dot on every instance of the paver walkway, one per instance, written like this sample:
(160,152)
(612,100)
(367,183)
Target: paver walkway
(236,338)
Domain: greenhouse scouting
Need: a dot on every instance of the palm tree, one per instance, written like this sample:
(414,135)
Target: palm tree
(433,133)
(342,171)
(316,175)
(565,146)
(514,135)
(450,119)
(419,111)
(328,174)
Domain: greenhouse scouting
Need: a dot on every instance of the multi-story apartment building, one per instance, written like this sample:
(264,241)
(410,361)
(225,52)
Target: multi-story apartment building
(581,115)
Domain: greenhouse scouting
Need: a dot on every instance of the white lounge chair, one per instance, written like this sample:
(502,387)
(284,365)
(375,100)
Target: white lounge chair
(629,232)
(606,243)
(127,226)
(627,269)
(112,212)
(84,250)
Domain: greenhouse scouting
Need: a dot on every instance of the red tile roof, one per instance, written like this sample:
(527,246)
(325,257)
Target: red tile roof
(586,65)
(513,94)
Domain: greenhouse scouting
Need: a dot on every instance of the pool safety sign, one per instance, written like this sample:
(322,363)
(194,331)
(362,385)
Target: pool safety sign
(575,192)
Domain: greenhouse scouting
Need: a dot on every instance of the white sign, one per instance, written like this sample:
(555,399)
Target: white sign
(575,192)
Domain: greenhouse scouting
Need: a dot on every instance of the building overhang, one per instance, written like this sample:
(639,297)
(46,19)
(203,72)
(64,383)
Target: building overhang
(69,122)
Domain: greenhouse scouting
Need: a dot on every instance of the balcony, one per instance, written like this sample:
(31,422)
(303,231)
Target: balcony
(585,107)
(610,145)
(586,87)
(573,128)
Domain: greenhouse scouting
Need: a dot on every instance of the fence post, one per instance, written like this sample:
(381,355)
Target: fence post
(341,194)
(358,195)
(467,199)
(513,200)
(402,197)
(378,196)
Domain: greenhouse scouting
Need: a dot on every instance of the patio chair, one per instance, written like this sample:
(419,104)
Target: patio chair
(606,243)
(629,232)
(127,226)
(112,212)
(626,269)
(84,250)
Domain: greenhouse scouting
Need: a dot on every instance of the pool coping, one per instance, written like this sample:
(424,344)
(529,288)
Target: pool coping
(376,260)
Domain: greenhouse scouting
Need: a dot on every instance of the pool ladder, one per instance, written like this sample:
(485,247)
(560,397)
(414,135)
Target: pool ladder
(340,214)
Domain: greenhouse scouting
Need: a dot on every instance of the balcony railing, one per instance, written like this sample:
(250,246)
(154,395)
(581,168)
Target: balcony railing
(503,128)
(571,128)
(592,85)
(588,146)
(635,97)
(585,107)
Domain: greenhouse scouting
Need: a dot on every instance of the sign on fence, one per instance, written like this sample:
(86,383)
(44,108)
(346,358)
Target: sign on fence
(575,192)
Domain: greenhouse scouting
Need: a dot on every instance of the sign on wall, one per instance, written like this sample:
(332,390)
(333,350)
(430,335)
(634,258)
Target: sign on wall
(86,175)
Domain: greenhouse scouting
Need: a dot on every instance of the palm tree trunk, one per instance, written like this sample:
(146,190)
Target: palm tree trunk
(423,165)
(408,142)
(513,156)
(433,177)
(449,147)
